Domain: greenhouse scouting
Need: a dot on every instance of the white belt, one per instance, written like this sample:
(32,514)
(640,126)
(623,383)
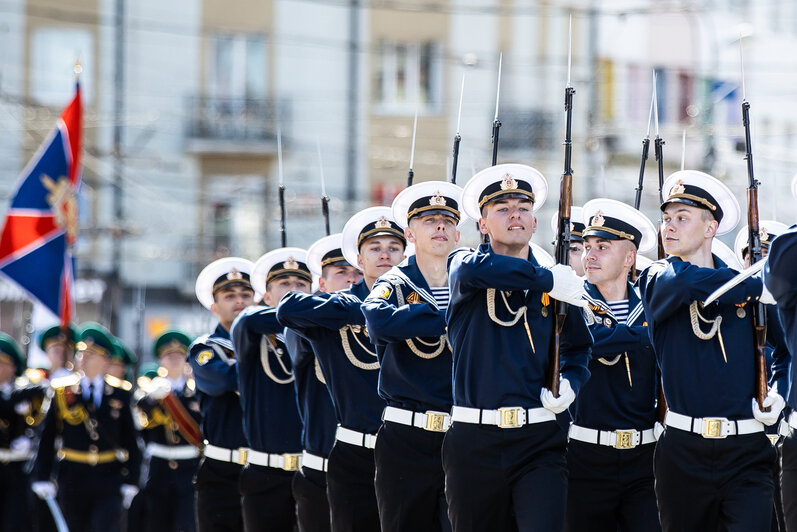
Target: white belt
(713,427)
(787,424)
(234,456)
(286,461)
(619,439)
(172,452)
(429,420)
(8,455)
(353,437)
(507,417)
(313,461)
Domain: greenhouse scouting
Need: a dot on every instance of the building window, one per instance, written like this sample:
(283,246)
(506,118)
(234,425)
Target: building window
(406,75)
(237,66)
(686,87)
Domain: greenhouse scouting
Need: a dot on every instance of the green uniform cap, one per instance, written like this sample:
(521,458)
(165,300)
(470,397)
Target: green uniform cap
(57,334)
(95,337)
(171,340)
(9,348)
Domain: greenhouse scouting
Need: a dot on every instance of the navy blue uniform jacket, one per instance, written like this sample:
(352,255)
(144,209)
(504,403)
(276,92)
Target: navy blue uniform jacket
(495,366)
(407,380)
(608,401)
(265,380)
(335,327)
(212,360)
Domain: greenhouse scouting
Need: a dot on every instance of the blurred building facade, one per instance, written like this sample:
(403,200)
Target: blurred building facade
(184,101)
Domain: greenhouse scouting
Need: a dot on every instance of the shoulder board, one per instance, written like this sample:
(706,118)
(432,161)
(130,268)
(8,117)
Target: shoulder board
(63,382)
(201,340)
(118,383)
(658,266)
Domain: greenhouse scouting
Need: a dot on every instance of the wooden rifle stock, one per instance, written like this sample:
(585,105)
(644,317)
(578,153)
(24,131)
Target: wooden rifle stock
(562,251)
(755,253)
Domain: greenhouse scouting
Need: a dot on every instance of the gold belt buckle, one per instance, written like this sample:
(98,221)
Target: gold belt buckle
(291,462)
(510,417)
(435,422)
(712,428)
(625,439)
(243,454)
(92,456)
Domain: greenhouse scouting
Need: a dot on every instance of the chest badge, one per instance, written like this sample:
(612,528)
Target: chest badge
(741,312)
(204,357)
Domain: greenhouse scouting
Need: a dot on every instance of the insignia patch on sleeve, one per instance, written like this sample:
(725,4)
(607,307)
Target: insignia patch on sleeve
(204,357)
(413,298)
(383,291)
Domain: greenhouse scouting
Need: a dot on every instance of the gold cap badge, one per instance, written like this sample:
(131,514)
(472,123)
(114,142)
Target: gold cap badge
(382,223)
(509,182)
(234,275)
(290,264)
(597,219)
(678,188)
(437,199)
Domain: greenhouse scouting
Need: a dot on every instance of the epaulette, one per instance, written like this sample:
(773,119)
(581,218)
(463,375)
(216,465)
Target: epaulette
(118,383)
(63,382)
(200,340)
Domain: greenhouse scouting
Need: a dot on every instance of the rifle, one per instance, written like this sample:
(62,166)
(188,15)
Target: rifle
(754,243)
(324,197)
(283,234)
(457,136)
(411,174)
(496,122)
(658,144)
(643,162)
(561,253)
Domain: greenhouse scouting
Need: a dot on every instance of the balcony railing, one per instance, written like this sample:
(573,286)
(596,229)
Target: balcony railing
(527,129)
(234,124)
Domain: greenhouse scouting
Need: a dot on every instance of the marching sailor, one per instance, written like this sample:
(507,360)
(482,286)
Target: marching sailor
(17,418)
(265,380)
(405,316)
(611,440)
(325,261)
(223,287)
(713,464)
(504,455)
(171,441)
(335,327)
(98,456)
(780,277)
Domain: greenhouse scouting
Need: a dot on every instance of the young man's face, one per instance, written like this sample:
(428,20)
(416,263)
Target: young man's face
(434,235)
(57,354)
(685,229)
(229,302)
(174,361)
(576,257)
(334,278)
(509,222)
(8,371)
(607,260)
(92,363)
(280,286)
(378,254)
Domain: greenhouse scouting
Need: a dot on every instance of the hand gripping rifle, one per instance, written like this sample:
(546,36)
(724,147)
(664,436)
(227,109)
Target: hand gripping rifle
(754,242)
(561,253)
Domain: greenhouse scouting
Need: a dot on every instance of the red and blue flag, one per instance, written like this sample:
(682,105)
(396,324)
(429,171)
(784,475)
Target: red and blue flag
(41,223)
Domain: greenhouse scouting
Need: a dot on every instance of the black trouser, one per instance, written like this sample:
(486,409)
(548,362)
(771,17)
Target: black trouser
(169,495)
(714,484)
(218,499)
(788,479)
(505,479)
(312,507)
(89,501)
(610,489)
(410,482)
(266,499)
(350,488)
(14,497)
